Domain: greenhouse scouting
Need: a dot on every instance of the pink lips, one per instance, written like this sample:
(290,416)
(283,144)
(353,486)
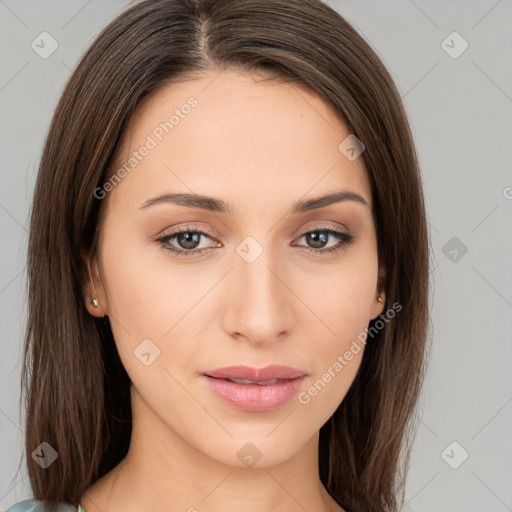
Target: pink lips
(261,395)
(273,371)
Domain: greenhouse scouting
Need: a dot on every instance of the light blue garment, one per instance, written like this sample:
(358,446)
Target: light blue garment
(38,506)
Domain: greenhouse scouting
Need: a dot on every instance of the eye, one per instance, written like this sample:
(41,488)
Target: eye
(319,237)
(188,240)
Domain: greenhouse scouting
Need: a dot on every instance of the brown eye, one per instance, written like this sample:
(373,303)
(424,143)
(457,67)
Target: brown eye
(317,239)
(186,241)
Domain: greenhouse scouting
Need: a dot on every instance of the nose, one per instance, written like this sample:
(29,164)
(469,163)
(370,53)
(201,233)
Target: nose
(259,300)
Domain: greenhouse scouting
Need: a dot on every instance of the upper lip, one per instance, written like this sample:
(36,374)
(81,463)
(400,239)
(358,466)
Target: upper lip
(273,371)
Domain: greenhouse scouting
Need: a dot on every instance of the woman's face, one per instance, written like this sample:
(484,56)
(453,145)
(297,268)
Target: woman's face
(257,282)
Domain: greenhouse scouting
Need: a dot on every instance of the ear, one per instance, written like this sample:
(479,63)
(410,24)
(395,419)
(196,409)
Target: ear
(378,306)
(93,290)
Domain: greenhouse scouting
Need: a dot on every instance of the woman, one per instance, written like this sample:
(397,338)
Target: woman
(228,268)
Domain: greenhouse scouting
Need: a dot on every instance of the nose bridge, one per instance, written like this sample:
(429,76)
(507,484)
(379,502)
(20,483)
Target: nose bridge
(259,307)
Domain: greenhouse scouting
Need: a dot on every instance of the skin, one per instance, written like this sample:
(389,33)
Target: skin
(260,146)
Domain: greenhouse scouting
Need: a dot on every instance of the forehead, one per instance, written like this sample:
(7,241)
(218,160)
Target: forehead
(232,134)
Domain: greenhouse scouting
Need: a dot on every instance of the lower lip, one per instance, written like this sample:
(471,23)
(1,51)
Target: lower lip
(254,398)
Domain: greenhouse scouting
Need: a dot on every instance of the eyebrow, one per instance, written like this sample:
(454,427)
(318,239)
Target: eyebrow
(219,206)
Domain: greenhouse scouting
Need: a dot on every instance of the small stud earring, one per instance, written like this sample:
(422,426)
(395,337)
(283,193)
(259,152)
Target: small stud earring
(379,299)
(94,302)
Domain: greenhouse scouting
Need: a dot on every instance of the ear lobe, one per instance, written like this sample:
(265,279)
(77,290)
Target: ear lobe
(378,307)
(380,296)
(93,290)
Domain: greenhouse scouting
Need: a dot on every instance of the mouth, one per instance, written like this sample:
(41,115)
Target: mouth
(255,394)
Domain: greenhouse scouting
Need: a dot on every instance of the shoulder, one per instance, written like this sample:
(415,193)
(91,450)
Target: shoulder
(39,506)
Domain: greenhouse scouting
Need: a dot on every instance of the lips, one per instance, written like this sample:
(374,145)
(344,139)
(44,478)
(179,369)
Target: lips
(260,396)
(260,376)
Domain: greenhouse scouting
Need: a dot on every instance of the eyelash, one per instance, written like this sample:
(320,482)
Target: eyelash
(344,240)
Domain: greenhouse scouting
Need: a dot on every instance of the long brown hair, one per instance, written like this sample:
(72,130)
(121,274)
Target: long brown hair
(77,391)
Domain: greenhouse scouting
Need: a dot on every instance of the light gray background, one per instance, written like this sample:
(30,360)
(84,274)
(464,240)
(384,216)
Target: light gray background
(460,110)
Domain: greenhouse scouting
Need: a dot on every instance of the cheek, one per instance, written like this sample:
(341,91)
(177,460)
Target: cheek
(340,296)
(152,298)
(142,292)
(145,309)
(143,305)
(335,352)
(340,303)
